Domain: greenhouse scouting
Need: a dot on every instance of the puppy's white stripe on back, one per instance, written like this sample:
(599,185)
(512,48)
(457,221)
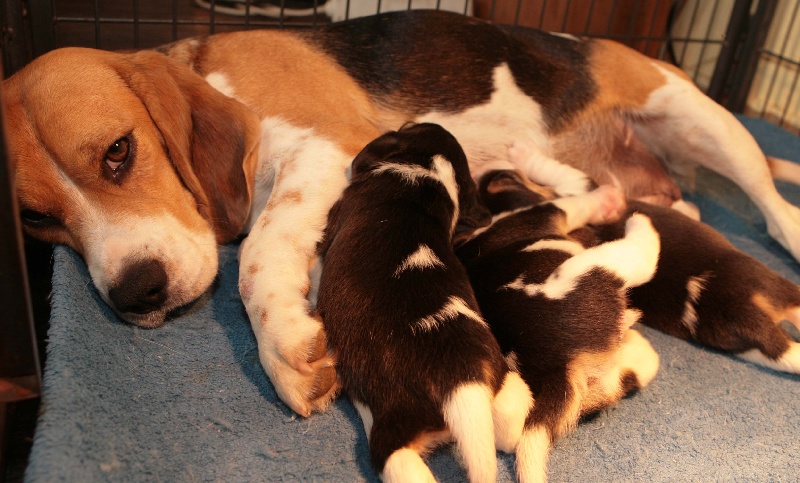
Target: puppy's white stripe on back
(411,174)
(443,171)
(454,307)
(423,257)
(570,246)
(694,287)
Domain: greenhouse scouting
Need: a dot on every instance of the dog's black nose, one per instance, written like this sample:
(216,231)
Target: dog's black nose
(142,288)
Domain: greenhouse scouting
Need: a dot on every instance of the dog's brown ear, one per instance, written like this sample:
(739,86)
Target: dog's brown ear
(212,139)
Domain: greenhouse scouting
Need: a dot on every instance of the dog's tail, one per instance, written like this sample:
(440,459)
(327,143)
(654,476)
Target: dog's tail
(468,414)
(784,170)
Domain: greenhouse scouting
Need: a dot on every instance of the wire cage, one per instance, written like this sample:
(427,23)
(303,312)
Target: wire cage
(744,53)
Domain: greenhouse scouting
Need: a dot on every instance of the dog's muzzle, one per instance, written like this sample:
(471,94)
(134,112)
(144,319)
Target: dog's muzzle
(141,289)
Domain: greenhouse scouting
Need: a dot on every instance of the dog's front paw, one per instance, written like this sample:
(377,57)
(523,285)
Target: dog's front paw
(300,367)
(611,205)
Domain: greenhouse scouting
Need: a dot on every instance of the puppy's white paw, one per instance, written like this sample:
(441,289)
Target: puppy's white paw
(521,152)
(611,205)
(638,357)
(301,368)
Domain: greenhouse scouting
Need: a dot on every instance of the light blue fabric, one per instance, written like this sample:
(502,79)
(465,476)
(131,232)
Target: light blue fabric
(190,402)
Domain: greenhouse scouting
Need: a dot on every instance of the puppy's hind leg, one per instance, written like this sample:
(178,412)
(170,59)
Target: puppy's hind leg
(789,361)
(406,465)
(555,412)
(468,414)
(509,409)
(636,366)
(749,327)
(776,349)
(396,440)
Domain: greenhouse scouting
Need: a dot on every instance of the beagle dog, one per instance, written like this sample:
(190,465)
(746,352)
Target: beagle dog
(560,311)
(413,352)
(144,161)
(704,290)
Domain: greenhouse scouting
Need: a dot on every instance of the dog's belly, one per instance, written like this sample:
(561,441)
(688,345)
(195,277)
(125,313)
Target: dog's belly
(485,131)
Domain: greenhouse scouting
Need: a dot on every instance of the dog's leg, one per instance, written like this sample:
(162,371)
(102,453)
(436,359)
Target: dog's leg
(789,361)
(275,260)
(682,125)
(509,410)
(636,366)
(396,442)
(532,451)
(546,171)
(406,465)
(555,412)
(468,414)
(775,348)
(603,205)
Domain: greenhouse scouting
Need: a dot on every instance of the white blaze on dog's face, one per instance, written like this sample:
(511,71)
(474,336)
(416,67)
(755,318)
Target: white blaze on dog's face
(97,171)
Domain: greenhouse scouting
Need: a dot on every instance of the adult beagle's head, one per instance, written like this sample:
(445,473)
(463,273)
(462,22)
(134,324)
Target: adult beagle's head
(136,163)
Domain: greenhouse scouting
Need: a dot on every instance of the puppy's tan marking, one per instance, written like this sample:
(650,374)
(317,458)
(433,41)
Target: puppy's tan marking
(763,302)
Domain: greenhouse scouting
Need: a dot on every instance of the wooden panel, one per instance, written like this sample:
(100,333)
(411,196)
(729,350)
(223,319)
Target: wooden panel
(641,24)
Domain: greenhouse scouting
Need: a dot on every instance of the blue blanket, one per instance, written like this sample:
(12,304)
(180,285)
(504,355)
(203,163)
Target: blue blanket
(190,402)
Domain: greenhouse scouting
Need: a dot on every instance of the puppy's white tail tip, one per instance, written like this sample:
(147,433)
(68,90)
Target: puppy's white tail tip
(468,415)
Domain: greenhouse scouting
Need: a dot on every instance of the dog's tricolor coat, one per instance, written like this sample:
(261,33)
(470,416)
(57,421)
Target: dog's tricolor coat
(559,311)
(142,161)
(413,351)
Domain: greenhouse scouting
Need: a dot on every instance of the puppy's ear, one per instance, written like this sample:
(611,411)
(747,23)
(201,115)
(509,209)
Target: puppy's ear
(376,152)
(211,139)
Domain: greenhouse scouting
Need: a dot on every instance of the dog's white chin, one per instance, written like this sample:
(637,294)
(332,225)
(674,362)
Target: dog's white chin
(157,318)
(152,320)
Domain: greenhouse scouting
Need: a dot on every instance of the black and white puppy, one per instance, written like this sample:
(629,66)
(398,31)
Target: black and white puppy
(708,291)
(413,351)
(560,311)
(705,289)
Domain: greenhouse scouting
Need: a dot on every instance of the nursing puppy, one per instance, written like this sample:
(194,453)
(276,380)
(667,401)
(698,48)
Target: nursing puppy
(560,311)
(705,289)
(414,354)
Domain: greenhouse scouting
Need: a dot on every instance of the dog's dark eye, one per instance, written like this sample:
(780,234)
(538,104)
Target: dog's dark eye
(118,153)
(37,219)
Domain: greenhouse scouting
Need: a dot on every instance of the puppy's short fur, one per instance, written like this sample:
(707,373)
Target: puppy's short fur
(414,354)
(706,290)
(560,312)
